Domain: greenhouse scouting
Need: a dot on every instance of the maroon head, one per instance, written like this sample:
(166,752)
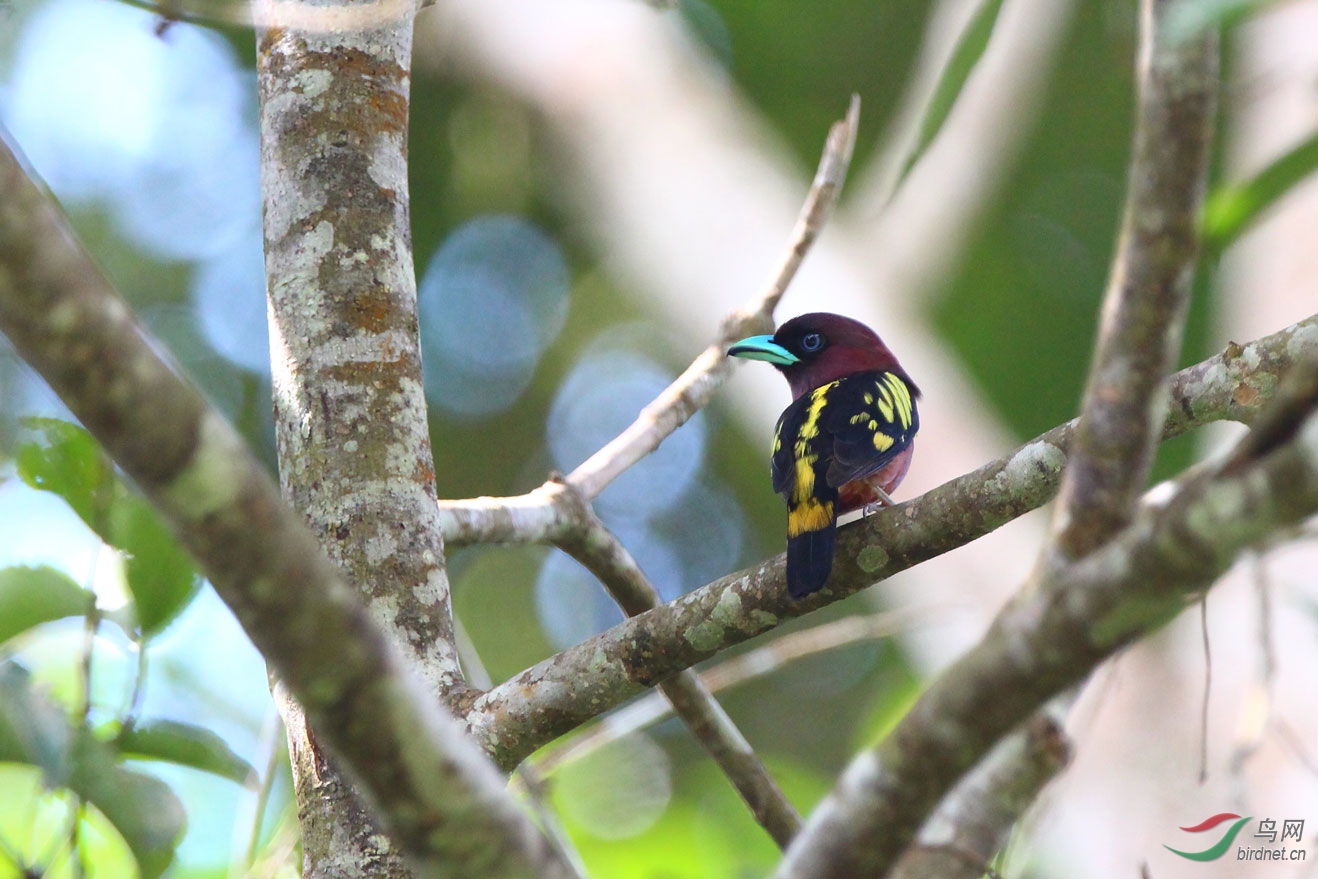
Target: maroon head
(815,349)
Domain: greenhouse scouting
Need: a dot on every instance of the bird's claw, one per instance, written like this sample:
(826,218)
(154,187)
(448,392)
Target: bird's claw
(883,500)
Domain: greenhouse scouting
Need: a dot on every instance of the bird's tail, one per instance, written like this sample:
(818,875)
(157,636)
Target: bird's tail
(810,559)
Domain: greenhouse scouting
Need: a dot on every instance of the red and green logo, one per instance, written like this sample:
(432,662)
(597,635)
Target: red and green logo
(1219,848)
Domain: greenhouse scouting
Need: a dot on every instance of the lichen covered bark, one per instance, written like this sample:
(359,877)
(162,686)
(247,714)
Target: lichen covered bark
(353,441)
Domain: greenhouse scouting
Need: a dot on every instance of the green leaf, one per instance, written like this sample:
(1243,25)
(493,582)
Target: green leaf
(36,732)
(969,49)
(160,574)
(66,461)
(1230,209)
(32,596)
(186,745)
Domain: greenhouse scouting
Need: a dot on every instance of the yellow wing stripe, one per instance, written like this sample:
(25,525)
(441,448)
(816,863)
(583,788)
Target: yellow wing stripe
(885,404)
(802,458)
(901,397)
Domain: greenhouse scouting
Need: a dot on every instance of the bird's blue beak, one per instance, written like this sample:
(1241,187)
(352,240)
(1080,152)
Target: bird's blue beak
(763,348)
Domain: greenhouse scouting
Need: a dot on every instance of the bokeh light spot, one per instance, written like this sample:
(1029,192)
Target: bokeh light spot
(618,791)
(493,297)
(161,129)
(602,395)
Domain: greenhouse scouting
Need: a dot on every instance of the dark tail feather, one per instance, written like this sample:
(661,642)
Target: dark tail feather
(809,561)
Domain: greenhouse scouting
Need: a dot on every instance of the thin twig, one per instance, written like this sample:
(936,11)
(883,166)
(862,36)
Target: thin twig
(693,388)
(603,555)
(527,518)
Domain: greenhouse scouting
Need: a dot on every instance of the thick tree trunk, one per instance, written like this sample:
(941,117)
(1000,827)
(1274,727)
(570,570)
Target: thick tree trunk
(354,446)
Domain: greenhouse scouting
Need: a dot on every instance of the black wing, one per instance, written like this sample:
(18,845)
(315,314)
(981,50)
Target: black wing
(844,430)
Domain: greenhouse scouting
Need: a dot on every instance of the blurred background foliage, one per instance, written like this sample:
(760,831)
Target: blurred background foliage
(145,131)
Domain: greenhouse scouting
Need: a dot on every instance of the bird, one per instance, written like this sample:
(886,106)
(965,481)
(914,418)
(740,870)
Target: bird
(845,442)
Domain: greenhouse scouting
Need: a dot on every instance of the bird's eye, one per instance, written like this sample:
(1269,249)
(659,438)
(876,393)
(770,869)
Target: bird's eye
(811,342)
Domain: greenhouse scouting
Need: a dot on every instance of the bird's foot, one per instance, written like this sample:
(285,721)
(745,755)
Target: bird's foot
(883,500)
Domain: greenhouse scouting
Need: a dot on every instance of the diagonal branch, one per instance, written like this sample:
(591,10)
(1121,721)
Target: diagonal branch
(414,761)
(563,691)
(526,519)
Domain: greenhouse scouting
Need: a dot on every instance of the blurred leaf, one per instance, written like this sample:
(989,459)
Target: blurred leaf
(1230,209)
(186,745)
(160,574)
(66,461)
(32,729)
(32,596)
(1189,18)
(34,825)
(969,49)
(37,732)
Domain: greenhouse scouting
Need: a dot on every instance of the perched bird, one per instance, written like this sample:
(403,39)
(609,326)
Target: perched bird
(845,441)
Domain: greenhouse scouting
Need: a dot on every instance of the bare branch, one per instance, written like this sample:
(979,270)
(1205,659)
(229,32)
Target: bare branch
(414,761)
(563,691)
(693,388)
(530,517)
(1144,308)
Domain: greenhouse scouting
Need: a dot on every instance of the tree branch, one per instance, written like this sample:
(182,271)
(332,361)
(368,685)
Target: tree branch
(1143,316)
(560,693)
(415,762)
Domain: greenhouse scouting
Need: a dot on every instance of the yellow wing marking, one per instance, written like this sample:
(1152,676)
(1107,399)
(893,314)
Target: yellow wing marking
(811,514)
(901,396)
(802,458)
(884,401)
